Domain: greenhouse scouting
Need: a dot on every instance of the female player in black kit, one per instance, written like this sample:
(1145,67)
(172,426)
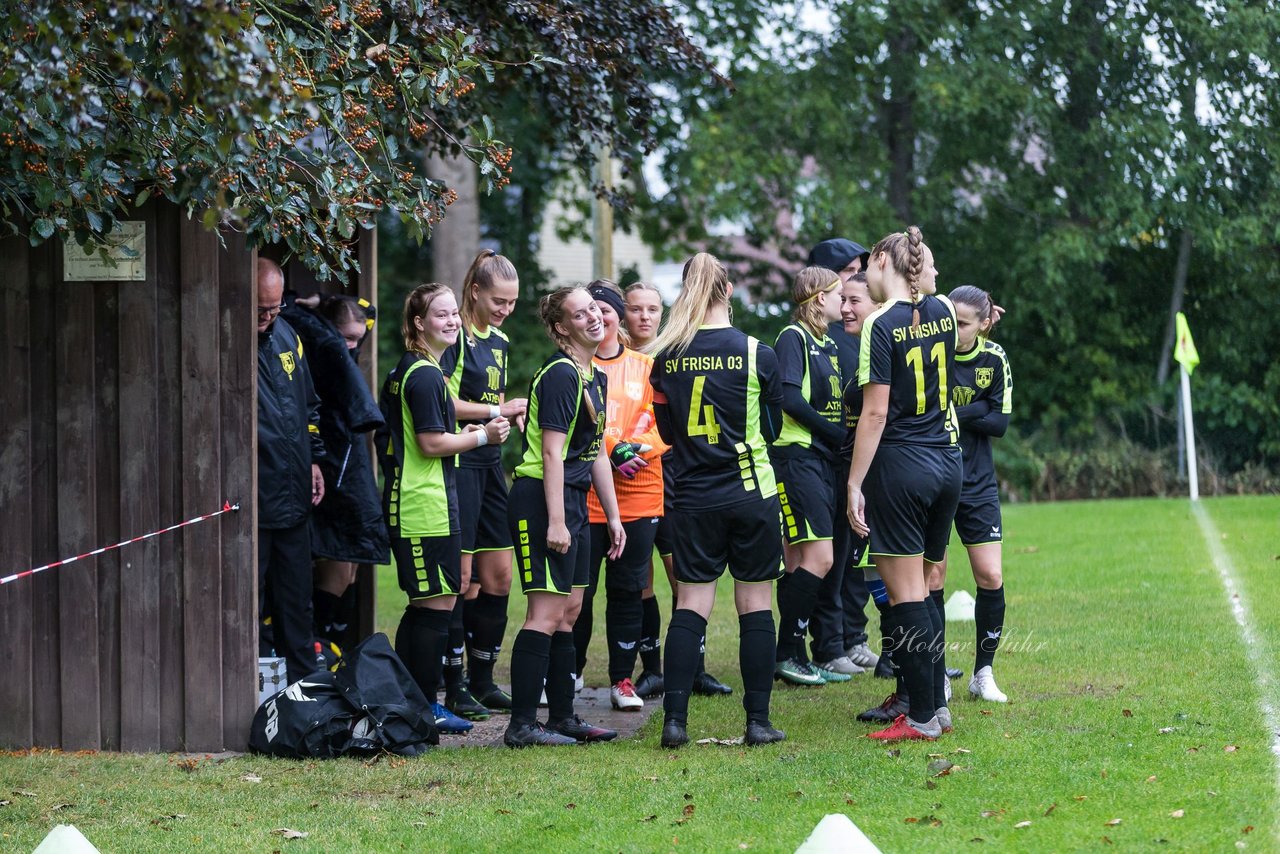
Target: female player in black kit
(644,318)
(804,458)
(547,517)
(418,444)
(982,392)
(856,306)
(476,367)
(904,478)
(717,400)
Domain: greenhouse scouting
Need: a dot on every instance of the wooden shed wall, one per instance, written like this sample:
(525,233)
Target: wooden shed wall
(126,407)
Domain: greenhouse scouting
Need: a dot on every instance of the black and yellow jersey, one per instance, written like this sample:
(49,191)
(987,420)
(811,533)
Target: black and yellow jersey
(916,363)
(476,368)
(810,420)
(714,393)
(562,400)
(419,496)
(852,409)
(982,394)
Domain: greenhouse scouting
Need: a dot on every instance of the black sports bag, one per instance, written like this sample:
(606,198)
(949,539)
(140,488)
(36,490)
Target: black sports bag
(369,705)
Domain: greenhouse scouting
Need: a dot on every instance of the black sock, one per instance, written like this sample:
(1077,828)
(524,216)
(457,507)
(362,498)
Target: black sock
(324,604)
(937,656)
(888,637)
(651,636)
(490,615)
(795,608)
(623,615)
(530,658)
(940,602)
(912,632)
(684,639)
(582,629)
(989,614)
(786,644)
(560,676)
(701,667)
(756,642)
(453,652)
(345,612)
(420,642)
(469,627)
(886,642)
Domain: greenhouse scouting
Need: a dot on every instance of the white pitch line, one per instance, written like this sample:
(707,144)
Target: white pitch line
(1255,649)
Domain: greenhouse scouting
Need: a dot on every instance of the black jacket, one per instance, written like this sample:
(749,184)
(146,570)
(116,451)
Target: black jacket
(288,428)
(347,525)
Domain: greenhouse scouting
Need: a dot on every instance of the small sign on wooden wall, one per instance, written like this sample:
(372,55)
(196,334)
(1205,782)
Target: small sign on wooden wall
(125,258)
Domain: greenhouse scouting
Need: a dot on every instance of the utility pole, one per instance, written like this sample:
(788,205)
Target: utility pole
(602,219)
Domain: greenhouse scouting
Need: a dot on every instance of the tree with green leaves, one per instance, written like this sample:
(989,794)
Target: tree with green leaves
(299,121)
(1060,155)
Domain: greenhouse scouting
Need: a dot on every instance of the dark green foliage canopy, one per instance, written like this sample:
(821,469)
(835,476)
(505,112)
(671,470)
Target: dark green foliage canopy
(296,121)
(1055,154)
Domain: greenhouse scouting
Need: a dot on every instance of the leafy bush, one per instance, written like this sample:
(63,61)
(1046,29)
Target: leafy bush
(1041,467)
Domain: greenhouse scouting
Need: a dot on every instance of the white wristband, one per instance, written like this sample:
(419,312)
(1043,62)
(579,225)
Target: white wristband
(482,438)
(494,411)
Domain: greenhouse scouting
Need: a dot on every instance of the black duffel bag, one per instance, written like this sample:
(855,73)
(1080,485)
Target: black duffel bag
(369,705)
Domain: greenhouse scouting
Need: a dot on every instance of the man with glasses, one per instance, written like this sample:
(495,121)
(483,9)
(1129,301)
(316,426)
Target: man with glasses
(289,481)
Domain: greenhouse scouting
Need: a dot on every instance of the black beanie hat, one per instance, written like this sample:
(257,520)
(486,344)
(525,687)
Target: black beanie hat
(609,295)
(837,253)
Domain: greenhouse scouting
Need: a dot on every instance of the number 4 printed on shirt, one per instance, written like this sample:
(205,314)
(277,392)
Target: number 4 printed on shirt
(702,418)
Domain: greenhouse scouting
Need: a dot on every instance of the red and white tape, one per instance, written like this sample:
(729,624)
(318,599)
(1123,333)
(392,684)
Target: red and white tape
(227,507)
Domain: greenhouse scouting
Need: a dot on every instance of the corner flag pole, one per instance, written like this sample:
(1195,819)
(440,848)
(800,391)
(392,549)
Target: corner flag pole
(1188,430)
(1187,358)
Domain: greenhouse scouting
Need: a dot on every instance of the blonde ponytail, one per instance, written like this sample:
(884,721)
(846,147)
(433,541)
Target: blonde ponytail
(487,268)
(704,284)
(808,283)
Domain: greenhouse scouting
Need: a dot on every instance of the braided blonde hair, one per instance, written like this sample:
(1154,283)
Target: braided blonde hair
(905,251)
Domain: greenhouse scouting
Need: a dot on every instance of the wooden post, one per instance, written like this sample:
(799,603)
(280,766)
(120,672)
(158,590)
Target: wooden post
(238,434)
(602,220)
(16,483)
(201,476)
(76,491)
(138,493)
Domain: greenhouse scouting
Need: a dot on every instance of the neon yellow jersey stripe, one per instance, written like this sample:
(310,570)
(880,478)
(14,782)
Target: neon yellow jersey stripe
(757,448)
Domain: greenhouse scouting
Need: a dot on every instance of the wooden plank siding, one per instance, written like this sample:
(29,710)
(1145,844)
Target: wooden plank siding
(126,407)
(16,448)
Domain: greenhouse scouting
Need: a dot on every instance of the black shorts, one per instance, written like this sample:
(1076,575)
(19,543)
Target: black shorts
(428,566)
(664,538)
(911,493)
(482,509)
(847,549)
(746,537)
(631,570)
(806,491)
(978,520)
(538,567)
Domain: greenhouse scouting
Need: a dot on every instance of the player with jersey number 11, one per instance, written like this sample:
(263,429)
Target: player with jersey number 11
(904,478)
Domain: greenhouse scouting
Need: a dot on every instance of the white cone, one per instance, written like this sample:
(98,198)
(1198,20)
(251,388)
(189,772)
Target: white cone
(837,833)
(65,839)
(960,607)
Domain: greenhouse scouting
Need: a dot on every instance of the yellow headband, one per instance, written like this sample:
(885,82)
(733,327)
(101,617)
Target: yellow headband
(828,289)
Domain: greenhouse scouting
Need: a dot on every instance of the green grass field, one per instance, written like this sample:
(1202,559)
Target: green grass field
(1134,719)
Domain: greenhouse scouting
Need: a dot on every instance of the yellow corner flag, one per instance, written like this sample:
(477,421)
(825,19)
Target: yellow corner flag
(1184,351)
